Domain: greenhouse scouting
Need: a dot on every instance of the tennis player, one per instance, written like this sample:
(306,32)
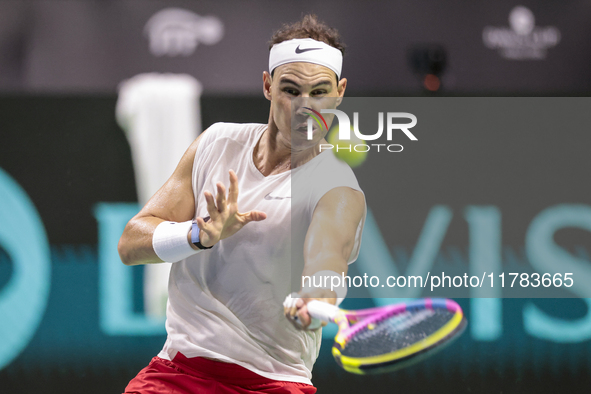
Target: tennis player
(235,228)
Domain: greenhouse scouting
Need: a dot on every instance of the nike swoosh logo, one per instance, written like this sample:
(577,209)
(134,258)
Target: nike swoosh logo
(269,197)
(298,50)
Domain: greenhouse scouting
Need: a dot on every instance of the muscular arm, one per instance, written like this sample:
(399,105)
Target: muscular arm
(329,241)
(331,235)
(173,202)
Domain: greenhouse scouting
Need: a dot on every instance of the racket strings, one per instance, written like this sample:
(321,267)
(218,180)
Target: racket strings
(395,332)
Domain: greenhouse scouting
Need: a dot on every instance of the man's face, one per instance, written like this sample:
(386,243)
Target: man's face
(301,80)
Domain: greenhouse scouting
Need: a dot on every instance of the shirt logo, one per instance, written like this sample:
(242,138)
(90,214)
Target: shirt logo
(298,50)
(270,197)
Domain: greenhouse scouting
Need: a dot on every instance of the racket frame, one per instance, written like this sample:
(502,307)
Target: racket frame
(366,317)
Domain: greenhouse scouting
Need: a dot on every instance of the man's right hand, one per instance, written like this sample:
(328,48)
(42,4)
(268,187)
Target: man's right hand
(225,220)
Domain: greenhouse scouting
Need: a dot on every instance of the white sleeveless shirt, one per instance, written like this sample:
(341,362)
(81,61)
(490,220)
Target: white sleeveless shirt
(226,303)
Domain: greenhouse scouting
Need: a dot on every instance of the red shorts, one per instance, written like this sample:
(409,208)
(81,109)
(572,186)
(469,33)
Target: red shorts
(199,375)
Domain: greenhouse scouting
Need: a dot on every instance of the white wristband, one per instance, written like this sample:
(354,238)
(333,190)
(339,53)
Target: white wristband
(170,241)
(326,279)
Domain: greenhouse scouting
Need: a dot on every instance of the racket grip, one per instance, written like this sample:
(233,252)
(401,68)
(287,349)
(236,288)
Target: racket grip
(322,310)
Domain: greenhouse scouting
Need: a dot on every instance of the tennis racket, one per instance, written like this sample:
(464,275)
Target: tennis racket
(385,339)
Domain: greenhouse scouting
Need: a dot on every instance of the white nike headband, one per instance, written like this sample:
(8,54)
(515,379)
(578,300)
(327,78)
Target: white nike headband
(306,50)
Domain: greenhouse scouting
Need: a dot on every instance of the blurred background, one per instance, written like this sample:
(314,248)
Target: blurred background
(96,95)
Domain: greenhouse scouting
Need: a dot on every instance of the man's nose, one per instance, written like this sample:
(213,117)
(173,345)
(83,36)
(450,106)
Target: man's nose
(302,111)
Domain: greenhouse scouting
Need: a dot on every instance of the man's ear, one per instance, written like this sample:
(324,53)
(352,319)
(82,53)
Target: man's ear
(341,90)
(267,82)
(342,87)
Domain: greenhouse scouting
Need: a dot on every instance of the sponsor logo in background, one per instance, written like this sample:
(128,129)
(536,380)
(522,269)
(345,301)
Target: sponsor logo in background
(178,32)
(523,40)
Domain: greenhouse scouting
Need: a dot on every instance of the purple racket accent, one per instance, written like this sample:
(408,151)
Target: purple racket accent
(374,315)
(452,306)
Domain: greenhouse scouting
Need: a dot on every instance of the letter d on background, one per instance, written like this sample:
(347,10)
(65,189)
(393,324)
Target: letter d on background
(24,298)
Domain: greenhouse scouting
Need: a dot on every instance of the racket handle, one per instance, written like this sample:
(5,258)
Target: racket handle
(322,310)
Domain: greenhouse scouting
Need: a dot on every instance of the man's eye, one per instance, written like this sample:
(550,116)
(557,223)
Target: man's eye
(293,92)
(318,92)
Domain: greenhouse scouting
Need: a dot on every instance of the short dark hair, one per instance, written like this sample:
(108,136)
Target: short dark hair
(309,27)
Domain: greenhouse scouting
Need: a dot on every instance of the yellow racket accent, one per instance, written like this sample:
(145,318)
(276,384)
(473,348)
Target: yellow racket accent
(343,322)
(352,364)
